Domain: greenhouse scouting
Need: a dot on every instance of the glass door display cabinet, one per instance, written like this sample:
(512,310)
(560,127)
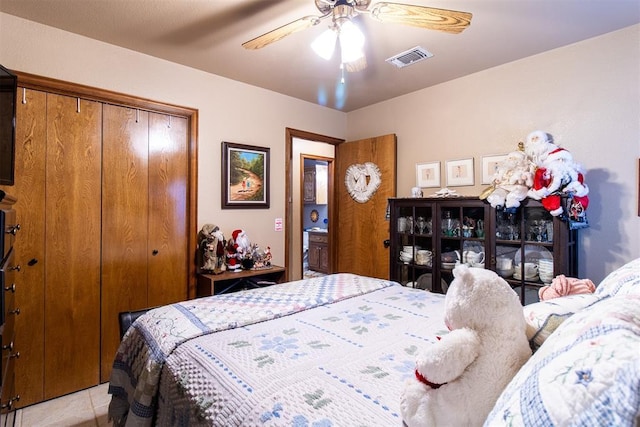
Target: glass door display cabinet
(430,235)
(532,247)
(461,235)
(526,246)
(411,242)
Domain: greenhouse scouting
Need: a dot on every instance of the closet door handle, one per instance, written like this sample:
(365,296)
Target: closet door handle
(154,252)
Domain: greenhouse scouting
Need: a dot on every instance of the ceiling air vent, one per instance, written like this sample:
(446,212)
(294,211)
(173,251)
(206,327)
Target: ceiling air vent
(410,56)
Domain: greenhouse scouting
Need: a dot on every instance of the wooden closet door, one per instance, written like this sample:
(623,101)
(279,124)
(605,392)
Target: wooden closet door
(72,264)
(29,188)
(168,199)
(125,211)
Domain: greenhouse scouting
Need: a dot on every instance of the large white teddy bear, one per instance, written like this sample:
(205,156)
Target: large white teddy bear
(459,378)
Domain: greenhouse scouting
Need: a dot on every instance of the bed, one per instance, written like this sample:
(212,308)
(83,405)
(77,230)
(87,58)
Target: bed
(327,351)
(336,351)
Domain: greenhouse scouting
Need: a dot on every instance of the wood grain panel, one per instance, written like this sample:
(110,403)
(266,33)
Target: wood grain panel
(29,245)
(168,207)
(125,209)
(72,268)
(362,227)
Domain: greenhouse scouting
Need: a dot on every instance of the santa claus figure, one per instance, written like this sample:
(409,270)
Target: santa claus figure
(237,247)
(212,247)
(556,175)
(511,181)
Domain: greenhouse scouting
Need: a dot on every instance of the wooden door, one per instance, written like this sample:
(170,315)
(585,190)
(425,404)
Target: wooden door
(72,263)
(362,227)
(29,246)
(168,251)
(125,211)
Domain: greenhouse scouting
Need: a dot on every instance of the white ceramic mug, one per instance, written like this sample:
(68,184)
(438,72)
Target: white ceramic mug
(530,269)
(471,257)
(504,263)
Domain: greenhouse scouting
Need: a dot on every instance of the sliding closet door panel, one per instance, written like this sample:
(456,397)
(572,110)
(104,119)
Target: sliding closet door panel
(29,188)
(125,210)
(168,219)
(72,267)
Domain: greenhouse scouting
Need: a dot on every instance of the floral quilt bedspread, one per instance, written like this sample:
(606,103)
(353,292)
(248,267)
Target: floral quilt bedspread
(329,351)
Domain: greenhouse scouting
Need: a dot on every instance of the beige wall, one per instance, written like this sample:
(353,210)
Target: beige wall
(228,111)
(586,95)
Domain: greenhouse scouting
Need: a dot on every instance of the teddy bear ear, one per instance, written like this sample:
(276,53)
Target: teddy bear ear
(463,273)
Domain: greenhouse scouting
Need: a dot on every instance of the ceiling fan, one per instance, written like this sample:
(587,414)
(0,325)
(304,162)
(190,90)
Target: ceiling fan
(343,11)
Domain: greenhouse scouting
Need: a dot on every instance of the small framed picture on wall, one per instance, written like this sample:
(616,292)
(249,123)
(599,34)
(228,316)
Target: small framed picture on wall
(460,172)
(428,174)
(490,166)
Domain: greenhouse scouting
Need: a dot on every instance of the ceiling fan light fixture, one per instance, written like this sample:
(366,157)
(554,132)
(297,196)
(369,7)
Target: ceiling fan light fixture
(325,44)
(351,42)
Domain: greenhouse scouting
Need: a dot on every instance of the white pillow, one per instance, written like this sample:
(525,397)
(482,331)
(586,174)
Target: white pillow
(587,373)
(544,317)
(623,281)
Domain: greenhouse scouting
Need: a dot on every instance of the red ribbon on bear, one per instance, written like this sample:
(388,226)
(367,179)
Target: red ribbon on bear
(423,380)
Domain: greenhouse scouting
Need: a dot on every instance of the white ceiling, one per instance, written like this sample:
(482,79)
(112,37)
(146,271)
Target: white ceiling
(207,35)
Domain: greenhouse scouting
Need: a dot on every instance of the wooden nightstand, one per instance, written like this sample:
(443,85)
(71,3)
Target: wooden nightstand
(213,284)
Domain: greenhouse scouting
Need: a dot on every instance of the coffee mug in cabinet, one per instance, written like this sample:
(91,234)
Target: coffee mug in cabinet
(471,257)
(504,263)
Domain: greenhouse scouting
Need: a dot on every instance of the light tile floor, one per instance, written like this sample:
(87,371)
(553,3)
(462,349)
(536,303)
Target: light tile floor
(81,409)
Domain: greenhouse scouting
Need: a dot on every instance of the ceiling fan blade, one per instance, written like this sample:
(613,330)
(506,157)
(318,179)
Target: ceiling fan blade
(450,21)
(281,32)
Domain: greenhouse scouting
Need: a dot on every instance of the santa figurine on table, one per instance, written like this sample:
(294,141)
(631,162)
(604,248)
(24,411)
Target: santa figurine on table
(237,247)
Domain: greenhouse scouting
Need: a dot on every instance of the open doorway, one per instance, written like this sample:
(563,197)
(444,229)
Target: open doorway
(316,178)
(299,143)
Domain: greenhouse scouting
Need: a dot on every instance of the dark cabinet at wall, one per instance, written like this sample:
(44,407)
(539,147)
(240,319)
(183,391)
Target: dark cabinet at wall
(319,252)
(430,235)
(8,311)
(530,237)
(309,193)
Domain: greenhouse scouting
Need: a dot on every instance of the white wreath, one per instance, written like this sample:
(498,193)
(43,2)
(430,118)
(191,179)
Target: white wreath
(362,181)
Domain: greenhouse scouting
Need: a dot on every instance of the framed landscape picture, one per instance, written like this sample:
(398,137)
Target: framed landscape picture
(245,176)
(459,172)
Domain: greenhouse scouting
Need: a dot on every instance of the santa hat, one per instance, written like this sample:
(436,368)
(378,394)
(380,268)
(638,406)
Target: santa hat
(236,233)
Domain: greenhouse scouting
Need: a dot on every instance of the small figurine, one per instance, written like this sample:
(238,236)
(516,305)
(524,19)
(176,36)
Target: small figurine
(267,256)
(237,247)
(211,243)
(511,181)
